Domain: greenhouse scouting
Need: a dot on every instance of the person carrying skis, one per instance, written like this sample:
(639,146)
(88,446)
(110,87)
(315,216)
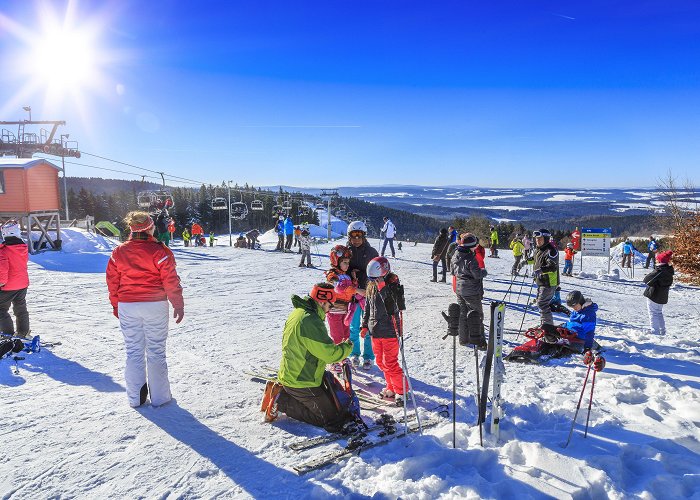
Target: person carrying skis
(14,280)
(653,247)
(186,237)
(302,391)
(658,283)
(494,242)
(382,322)
(142,278)
(389,231)
(467,283)
(305,242)
(517,247)
(569,259)
(545,271)
(347,294)
(627,251)
(362,253)
(439,254)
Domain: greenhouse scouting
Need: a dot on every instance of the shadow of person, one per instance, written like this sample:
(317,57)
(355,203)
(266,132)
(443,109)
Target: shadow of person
(69,372)
(254,475)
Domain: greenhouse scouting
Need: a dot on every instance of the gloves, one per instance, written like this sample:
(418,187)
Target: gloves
(588,357)
(178,314)
(599,363)
(364,332)
(115,311)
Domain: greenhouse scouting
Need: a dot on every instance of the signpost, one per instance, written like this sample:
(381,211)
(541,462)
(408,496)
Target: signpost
(595,242)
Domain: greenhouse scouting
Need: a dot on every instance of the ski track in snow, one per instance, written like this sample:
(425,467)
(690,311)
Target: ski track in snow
(68,432)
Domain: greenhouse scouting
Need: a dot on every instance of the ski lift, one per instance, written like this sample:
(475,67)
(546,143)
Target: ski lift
(145,199)
(276,210)
(257,205)
(287,205)
(160,198)
(339,213)
(239,210)
(219,204)
(164,198)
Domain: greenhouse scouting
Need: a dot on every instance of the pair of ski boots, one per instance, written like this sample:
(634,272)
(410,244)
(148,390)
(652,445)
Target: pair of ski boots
(269,400)
(365,365)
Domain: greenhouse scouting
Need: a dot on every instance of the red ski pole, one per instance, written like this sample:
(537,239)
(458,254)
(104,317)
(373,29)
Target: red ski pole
(598,366)
(578,406)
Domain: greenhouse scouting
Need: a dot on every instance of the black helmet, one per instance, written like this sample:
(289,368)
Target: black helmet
(574,298)
(542,233)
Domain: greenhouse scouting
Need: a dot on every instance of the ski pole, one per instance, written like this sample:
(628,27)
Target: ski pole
(590,402)
(520,291)
(454,391)
(529,294)
(512,280)
(478,396)
(407,379)
(585,381)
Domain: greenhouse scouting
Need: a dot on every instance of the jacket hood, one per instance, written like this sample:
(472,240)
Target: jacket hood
(308,304)
(589,303)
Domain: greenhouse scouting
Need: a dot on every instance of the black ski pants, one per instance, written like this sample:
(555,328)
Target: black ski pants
(516,265)
(651,259)
(471,320)
(16,299)
(444,268)
(290,239)
(313,405)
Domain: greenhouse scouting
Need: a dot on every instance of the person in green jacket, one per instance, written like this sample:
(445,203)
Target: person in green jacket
(494,242)
(186,237)
(307,348)
(517,246)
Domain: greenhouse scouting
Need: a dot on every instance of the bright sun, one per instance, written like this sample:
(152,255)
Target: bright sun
(64,60)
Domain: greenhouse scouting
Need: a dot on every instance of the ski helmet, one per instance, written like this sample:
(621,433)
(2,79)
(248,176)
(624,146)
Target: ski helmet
(357,225)
(469,240)
(11,228)
(542,233)
(574,298)
(569,245)
(323,292)
(378,268)
(339,252)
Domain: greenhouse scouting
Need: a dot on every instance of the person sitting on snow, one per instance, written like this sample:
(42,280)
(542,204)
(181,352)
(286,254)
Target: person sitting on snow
(582,320)
(302,391)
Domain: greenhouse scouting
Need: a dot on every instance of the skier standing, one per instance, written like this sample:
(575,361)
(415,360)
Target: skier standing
(302,393)
(381,320)
(279,229)
(389,231)
(14,280)
(568,259)
(345,289)
(653,247)
(439,254)
(517,247)
(289,233)
(658,283)
(141,278)
(453,234)
(494,242)
(197,234)
(467,283)
(305,245)
(627,251)
(546,275)
(362,253)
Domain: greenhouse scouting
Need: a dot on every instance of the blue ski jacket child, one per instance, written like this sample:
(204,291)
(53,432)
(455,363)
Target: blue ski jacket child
(582,323)
(288,226)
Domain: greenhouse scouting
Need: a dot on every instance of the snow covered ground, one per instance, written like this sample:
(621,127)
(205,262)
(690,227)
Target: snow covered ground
(67,430)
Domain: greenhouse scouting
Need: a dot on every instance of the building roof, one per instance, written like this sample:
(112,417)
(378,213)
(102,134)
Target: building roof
(25,163)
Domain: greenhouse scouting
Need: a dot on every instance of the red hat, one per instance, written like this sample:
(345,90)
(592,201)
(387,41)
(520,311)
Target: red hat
(664,257)
(142,227)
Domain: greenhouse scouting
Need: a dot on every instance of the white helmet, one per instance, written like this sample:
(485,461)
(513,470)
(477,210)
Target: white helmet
(357,225)
(378,267)
(11,228)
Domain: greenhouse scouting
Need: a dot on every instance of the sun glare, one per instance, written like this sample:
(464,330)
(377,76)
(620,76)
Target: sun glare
(63,60)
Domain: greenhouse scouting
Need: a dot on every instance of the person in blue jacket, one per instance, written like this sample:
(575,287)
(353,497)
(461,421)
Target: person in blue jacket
(653,247)
(289,233)
(627,251)
(279,229)
(582,320)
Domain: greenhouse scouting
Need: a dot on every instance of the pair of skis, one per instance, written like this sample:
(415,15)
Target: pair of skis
(492,362)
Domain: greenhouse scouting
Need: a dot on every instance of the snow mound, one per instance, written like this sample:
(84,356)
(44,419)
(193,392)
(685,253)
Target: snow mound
(78,240)
(81,252)
(616,254)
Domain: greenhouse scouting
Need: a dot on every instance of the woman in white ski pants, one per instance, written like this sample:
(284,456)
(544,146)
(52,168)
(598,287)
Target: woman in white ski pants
(141,278)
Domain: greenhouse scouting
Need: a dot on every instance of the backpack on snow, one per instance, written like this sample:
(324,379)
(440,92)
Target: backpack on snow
(343,395)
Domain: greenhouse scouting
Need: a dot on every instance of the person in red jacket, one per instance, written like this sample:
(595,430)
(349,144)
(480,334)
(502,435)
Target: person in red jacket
(14,280)
(197,234)
(141,278)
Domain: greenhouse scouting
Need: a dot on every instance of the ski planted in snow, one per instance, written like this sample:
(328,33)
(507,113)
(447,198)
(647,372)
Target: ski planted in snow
(357,446)
(487,362)
(499,369)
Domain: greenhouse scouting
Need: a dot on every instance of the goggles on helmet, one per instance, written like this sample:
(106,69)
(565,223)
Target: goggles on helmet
(356,234)
(542,234)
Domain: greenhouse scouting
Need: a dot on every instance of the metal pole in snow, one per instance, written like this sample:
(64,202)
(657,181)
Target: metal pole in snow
(230,236)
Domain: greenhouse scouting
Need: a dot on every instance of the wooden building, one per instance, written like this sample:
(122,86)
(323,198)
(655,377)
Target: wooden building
(29,193)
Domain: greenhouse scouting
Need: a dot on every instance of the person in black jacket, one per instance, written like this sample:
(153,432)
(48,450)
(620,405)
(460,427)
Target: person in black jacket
(362,253)
(545,271)
(439,254)
(469,287)
(658,283)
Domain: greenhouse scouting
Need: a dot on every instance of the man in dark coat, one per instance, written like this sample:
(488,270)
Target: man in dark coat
(439,254)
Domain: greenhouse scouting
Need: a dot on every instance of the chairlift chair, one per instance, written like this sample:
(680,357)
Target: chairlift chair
(287,205)
(145,199)
(257,205)
(219,204)
(277,209)
(166,197)
(239,210)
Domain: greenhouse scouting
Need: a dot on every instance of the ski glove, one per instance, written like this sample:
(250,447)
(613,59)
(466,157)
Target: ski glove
(599,363)
(588,357)
(115,311)
(363,332)
(178,314)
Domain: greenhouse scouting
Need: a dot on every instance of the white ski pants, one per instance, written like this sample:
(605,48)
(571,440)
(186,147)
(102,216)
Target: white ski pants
(656,317)
(145,329)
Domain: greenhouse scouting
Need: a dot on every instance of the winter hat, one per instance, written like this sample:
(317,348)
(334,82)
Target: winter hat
(139,222)
(11,228)
(664,257)
(469,240)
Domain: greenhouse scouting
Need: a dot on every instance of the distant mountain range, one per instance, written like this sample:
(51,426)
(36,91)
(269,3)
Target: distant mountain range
(512,204)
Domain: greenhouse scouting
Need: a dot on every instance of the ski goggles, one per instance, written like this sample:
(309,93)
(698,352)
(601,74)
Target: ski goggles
(541,234)
(356,235)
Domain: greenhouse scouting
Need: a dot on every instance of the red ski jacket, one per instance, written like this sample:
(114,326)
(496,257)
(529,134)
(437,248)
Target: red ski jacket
(480,253)
(13,266)
(143,271)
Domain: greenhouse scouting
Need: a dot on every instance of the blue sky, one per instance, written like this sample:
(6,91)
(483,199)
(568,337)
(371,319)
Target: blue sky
(329,93)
